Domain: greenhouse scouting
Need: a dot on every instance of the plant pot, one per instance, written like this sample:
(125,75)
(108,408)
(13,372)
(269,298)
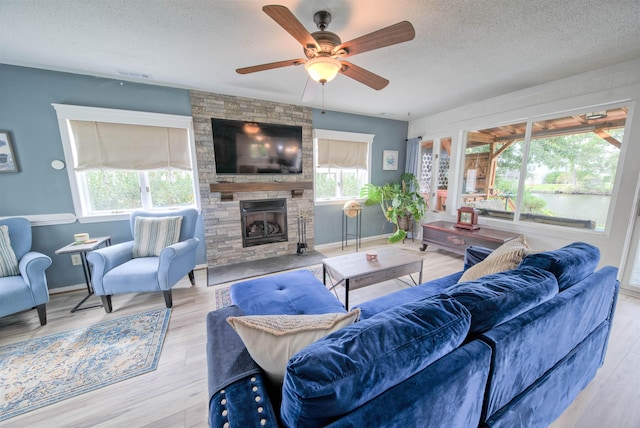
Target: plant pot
(404,223)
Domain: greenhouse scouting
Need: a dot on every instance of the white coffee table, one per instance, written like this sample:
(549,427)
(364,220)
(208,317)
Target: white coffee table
(357,272)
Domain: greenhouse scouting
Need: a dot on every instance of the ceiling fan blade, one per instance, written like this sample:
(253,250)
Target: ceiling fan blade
(363,76)
(291,25)
(271,65)
(397,33)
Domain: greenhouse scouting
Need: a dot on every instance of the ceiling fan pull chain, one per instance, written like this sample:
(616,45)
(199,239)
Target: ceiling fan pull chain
(323,112)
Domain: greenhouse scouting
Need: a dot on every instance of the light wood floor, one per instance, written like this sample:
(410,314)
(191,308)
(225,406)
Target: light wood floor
(175,395)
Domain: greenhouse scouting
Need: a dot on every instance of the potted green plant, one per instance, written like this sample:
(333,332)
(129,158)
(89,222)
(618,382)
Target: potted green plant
(401,203)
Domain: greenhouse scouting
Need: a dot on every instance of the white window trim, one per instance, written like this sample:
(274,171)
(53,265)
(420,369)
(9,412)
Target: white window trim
(343,136)
(66,112)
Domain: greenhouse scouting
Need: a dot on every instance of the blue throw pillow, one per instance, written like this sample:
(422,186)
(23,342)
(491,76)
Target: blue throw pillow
(569,264)
(499,297)
(347,368)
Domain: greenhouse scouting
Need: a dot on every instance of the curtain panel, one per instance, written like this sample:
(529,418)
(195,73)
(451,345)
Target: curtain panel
(412,164)
(105,145)
(342,154)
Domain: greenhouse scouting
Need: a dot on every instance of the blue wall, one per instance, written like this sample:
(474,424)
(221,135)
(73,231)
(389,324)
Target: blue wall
(27,114)
(389,135)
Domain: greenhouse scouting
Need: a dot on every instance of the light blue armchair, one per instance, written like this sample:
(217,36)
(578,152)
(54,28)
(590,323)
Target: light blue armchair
(29,289)
(117,271)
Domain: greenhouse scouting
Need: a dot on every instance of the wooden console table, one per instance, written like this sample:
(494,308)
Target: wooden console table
(443,234)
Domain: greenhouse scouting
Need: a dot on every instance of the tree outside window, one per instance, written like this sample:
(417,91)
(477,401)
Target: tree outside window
(138,189)
(339,183)
(341,164)
(120,160)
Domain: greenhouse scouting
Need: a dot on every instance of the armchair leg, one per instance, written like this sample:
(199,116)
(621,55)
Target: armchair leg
(42,313)
(168,299)
(106,303)
(192,278)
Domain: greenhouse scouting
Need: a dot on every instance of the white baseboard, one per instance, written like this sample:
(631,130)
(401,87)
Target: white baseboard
(332,245)
(67,289)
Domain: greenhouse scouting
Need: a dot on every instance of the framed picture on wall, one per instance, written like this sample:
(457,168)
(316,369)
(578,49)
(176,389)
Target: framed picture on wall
(390,160)
(7,158)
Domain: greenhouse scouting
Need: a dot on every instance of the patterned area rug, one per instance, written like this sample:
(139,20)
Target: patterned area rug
(45,370)
(223,295)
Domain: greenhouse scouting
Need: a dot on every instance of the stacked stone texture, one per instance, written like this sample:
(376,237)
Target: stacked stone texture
(222,224)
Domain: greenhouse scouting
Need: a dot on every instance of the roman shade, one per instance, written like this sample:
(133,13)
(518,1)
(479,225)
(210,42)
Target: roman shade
(342,154)
(118,146)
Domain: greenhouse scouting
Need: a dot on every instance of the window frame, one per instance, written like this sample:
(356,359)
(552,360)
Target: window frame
(529,120)
(67,112)
(343,136)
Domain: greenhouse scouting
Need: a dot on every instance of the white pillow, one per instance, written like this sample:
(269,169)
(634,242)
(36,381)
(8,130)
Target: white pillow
(8,260)
(151,235)
(506,257)
(273,339)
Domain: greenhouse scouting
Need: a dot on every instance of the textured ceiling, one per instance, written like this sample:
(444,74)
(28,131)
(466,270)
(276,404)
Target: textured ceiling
(464,50)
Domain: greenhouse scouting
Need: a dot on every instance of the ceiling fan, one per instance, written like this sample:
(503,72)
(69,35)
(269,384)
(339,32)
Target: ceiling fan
(324,50)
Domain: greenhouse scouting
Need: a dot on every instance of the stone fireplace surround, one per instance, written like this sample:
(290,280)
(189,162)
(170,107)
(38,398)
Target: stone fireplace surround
(221,195)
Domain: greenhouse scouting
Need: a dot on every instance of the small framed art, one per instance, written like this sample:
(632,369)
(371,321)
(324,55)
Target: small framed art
(7,158)
(390,160)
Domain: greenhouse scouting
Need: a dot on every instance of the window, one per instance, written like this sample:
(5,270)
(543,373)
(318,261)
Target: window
(342,164)
(120,160)
(559,171)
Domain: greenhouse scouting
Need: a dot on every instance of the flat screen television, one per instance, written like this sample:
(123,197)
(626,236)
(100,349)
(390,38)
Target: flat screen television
(256,148)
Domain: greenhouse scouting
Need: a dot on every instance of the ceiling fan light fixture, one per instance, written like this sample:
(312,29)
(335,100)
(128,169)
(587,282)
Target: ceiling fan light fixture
(323,69)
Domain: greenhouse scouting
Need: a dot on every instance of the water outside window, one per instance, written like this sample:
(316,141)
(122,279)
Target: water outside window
(570,176)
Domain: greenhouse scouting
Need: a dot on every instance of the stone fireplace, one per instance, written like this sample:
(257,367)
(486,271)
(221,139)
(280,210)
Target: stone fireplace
(221,195)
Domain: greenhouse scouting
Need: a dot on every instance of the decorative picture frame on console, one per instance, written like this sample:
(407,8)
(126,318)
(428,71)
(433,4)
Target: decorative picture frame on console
(467,218)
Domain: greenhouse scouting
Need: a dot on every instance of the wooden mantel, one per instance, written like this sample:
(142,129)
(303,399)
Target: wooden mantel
(228,189)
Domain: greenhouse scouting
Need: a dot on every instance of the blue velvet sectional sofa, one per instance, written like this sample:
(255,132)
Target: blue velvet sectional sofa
(511,349)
